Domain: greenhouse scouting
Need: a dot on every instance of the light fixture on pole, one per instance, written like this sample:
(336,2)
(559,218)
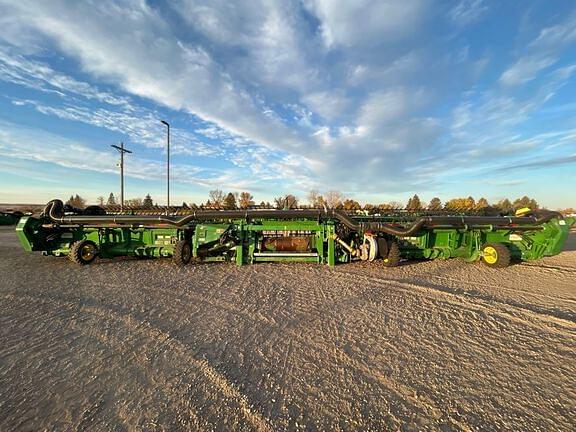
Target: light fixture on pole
(121,150)
(165,123)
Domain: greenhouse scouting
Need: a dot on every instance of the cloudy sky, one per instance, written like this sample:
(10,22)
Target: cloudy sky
(377,99)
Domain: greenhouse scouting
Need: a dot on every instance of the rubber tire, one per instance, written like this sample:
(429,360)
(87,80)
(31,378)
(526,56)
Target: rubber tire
(182,253)
(503,257)
(382,247)
(94,210)
(75,254)
(393,257)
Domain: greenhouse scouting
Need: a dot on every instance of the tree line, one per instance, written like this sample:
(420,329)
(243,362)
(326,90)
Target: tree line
(218,199)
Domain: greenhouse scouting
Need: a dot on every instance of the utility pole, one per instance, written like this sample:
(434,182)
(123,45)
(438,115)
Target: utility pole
(165,123)
(121,150)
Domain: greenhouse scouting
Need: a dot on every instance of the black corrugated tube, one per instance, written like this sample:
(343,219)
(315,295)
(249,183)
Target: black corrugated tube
(55,211)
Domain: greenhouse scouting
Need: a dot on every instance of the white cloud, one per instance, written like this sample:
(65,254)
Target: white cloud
(468,11)
(541,53)
(155,65)
(367,22)
(328,104)
(294,93)
(525,70)
(17,69)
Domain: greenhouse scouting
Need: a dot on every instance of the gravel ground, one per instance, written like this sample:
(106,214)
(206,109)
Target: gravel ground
(143,345)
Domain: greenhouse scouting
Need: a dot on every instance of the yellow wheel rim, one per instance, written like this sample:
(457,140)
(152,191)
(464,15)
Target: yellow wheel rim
(490,255)
(87,252)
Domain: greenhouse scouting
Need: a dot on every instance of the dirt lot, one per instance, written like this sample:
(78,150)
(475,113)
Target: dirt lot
(143,345)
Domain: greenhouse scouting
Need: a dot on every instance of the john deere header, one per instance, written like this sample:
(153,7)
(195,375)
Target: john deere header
(320,236)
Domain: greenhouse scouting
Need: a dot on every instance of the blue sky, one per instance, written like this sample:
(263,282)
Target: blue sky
(376,99)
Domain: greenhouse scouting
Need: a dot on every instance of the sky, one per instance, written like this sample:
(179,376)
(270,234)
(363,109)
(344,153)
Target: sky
(376,99)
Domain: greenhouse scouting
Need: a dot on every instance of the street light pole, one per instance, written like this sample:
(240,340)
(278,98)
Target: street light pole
(165,123)
(121,150)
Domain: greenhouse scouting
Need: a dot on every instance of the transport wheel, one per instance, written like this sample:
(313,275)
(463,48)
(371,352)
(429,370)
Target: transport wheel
(496,255)
(182,253)
(382,247)
(94,210)
(83,252)
(393,257)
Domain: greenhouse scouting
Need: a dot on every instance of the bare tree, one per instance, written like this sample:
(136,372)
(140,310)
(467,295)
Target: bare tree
(134,202)
(315,199)
(245,200)
(216,197)
(101,201)
(76,201)
(286,202)
(333,199)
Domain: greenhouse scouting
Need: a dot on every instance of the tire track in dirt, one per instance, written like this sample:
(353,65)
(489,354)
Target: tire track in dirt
(512,290)
(554,268)
(467,294)
(329,350)
(140,331)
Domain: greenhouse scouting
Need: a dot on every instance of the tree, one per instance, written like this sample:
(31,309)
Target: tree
(101,201)
(333,199)
(315,199)
(460,204)
(351,205)
(385,207)
(111,200)
(216,198)
(505,206)
(286,202)
(525,202)
(482,203)
(147,202)
(369,208)
(185,206)
(435,204)
(134,202)
(246,200)
(229,202)
(414,203)
(76,201)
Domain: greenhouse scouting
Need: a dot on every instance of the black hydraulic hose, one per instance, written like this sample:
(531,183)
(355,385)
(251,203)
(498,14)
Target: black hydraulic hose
(461,221)
(398,231)
(55,211)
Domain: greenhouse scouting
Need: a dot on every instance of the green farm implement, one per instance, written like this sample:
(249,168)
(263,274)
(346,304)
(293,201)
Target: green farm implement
(317,236)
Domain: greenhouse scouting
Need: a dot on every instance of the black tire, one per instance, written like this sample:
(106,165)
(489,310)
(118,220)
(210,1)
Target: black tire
(496,255)
(83,252)
(382,247)
(182,253)
(94,210)
(393,257)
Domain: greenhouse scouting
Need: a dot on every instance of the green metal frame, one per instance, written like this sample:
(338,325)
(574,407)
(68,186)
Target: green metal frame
(544,240)
(111,242)
(240,240)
